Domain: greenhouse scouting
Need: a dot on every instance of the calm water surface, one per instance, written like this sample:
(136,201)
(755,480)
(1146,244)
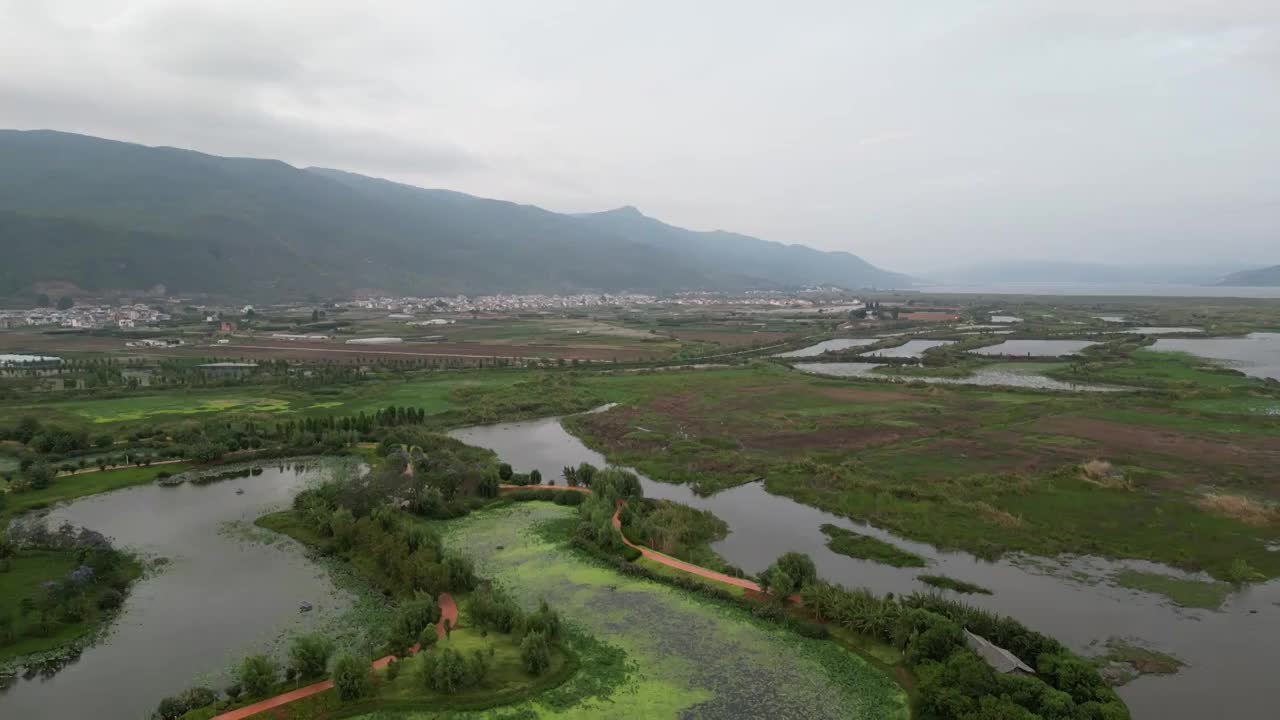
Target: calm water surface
(1255,355)
(1035,348)
(219,598)
(1008,375)
(1231,653)
(910,349)
(827,345)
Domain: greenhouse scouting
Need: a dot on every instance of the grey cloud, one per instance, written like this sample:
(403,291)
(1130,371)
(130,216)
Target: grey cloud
(909,133)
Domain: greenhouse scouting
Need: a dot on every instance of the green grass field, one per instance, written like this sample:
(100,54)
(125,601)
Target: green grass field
(23,580)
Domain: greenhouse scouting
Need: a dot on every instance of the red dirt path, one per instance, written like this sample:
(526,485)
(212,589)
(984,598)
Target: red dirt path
(448,611)
(680,564)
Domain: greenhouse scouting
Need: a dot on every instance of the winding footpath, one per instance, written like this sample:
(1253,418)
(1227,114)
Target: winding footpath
(653,555)
(449,608)
(448,612)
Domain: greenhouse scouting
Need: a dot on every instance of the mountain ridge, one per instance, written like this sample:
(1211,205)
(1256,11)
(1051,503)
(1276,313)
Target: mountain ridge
(107,215)
(1257,277)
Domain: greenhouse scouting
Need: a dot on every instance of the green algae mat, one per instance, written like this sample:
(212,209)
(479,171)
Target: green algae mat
(650,651)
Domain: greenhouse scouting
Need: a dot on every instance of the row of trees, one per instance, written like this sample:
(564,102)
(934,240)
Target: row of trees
(954,681)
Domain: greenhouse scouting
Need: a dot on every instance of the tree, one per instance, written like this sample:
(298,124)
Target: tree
(800,567)
(789,574)
(534,653)
(258,675)
(505,472)
(351,677)
(26,429)
(535,477)
(309,655)
(411,619)
(489,483)
(40,475)
(66,302)
(586,471)
(103,441)
(445,670)
(570,474)
(205,452)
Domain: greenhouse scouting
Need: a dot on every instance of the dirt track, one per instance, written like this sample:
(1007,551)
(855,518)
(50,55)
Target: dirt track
(448,611)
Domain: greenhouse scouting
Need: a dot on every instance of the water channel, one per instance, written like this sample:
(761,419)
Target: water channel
(1230,653)
(219,597)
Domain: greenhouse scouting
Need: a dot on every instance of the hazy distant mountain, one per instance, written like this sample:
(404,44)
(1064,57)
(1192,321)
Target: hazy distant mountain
(1056,272)
(1262,277)
(109,215)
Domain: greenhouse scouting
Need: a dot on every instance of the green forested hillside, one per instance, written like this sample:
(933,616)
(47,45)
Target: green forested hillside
(108,215)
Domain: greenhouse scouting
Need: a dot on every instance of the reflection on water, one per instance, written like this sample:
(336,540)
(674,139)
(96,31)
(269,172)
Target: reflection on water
(1035,348)
(910,349)
(1163,330)
(1230,673)
(218,598)
(1009,375)
(829,345)
(1256,355)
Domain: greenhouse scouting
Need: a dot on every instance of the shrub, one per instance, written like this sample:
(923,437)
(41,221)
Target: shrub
(495,610)
(182,703)
(258,675)
(309,655)
(393,670)
(8,630)
(110,599)
(351,677)
(534,653)
(412,619)
(445,670)
(545,622)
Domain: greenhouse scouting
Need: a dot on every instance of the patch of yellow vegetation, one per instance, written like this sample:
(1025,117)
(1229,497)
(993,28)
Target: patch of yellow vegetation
(997,516)
(1104,474)
(1250,511)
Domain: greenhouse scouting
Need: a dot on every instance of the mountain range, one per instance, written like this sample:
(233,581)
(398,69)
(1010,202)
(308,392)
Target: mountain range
(1260,277)
(103,215)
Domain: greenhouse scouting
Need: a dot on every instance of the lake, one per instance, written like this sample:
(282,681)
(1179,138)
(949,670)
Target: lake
(1231,670)
(1035,348)
(829,345)
(1022,375)
(1255,355)
(220,596)
(910,349)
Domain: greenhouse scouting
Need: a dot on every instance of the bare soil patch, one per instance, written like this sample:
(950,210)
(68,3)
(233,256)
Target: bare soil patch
(1118,438)
(855,438)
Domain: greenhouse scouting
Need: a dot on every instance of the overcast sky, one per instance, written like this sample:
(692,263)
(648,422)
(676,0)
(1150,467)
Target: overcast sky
(916,134)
